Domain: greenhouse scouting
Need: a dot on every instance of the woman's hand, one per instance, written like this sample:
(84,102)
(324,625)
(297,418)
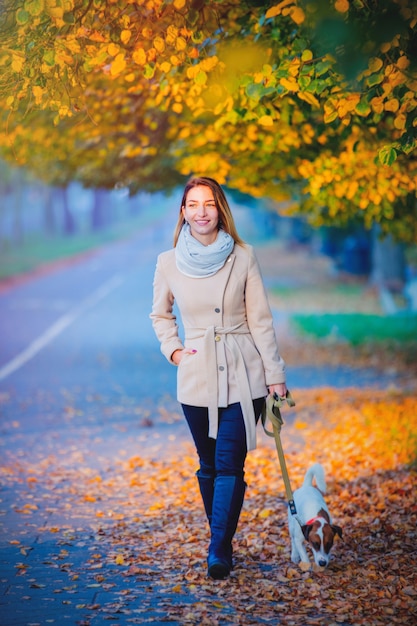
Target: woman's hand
(178,355)
(280,390)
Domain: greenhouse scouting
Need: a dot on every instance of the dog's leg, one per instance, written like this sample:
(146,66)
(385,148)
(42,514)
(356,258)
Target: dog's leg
(298,552)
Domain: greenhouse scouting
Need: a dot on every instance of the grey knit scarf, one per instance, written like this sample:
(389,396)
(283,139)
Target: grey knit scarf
(198,261)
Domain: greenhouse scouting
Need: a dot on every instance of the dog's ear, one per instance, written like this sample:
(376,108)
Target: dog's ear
(306,530)
(337,530)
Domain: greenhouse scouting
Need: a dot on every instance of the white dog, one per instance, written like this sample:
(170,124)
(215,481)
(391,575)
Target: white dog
(312,523)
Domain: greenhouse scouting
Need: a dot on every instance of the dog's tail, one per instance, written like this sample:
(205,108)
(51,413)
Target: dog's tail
(316,471)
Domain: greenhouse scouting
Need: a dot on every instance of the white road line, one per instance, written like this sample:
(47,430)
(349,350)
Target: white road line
(60,325)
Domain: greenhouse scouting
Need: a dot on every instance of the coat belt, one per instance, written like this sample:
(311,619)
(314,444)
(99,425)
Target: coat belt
(246,403)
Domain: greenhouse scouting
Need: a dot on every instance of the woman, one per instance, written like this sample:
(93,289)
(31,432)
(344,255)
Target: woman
(229,359)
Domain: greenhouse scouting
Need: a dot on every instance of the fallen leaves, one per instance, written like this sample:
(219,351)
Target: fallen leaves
(133,536)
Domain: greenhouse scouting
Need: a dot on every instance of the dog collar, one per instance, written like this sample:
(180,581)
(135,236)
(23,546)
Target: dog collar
(312,520)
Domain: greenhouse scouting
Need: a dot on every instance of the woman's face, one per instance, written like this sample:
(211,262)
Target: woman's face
(201,213)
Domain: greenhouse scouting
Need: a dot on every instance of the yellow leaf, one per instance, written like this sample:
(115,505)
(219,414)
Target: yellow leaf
(179,4)
(307,55)
(125,36)
(139,56)
(159,44)
(291,85)
(165,67)
(38,93)
(392,105)
(113,49)
(308,97)
(118,64)
(266,513)
(119,560)
(180,44)
(375,64)
(172,34)
(400,121)
(403,63)
(147,33)
(17,63)
(297,15)
(266,120)
(294,67)
(276,10)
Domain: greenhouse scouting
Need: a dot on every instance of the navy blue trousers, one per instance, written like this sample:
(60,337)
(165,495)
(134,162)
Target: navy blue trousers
(226,455)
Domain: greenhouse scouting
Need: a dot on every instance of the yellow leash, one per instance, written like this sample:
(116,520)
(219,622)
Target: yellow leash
(272,412)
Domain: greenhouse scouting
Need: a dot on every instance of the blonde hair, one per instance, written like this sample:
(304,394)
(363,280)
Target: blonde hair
(226,221)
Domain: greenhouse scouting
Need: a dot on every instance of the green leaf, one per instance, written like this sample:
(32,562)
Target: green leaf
(363,108)
(69,18)
(22,17)
(304,82)
(34,7)
(322,67)
(387,155)
(375,79)
(149,71)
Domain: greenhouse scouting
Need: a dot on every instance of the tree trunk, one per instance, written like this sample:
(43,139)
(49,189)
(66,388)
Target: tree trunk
(18,229)
(49,221)
(69,222)
(389,263)
(98,215)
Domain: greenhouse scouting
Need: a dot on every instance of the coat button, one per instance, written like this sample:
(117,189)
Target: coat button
(221,368)
(217,338)
(217,310)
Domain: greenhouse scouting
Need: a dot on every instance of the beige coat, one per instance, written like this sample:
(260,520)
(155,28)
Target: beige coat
(227,319)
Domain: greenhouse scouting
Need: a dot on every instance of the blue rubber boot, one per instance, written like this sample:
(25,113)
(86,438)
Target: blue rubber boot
(206,484)
(229,492)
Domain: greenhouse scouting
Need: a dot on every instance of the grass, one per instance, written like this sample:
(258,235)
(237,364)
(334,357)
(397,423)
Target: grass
(37,250)
(358,328)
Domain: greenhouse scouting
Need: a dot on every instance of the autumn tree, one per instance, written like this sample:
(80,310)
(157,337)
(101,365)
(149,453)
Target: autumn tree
(314,101)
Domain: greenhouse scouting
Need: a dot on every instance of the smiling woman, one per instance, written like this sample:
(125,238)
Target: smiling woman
(228,360)
(200,212)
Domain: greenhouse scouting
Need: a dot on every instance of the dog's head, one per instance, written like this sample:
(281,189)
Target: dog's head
(320,534)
